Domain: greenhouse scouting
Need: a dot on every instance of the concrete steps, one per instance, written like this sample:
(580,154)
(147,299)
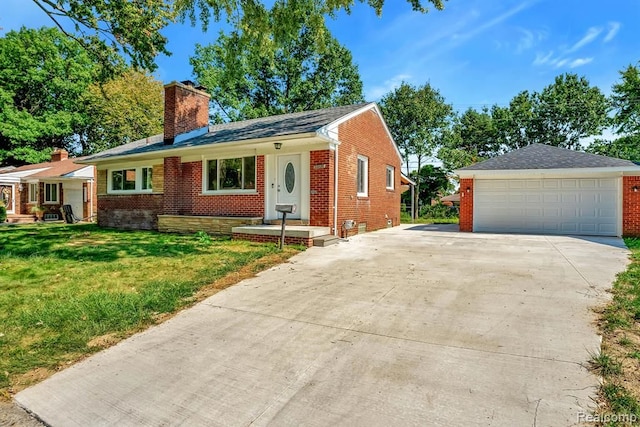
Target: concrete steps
(21,219)
(289,222)
(326,240)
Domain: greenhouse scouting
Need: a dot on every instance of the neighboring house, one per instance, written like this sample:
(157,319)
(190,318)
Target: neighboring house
(451,200)
(339,166)
(548,190)
(49,185)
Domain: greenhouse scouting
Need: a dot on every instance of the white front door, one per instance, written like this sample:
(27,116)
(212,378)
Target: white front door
(73,195)
(288,182)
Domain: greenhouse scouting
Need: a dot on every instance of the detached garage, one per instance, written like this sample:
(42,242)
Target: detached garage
(542,189)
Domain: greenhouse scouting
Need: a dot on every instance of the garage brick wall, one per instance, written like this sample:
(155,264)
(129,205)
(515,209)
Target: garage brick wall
(631,206)
(466,204)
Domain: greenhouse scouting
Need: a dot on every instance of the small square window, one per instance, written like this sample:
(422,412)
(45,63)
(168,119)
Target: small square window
(147,178)
(363,176)
(390,177)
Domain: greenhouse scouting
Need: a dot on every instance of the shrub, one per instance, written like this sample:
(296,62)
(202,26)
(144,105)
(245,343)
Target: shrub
(3,213)
(439,211)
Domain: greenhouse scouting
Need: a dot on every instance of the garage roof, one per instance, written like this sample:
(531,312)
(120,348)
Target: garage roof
(542,156)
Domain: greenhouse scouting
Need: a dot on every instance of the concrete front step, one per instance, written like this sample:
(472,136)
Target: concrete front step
(326,240)
(289,222)
(21,219)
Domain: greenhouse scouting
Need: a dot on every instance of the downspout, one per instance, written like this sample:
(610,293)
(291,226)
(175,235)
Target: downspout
(335,192)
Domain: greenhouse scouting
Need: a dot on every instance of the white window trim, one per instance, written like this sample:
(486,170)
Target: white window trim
(364,193)
(49,202)
(393,177)
(205,177)
(33,197)
(138,189)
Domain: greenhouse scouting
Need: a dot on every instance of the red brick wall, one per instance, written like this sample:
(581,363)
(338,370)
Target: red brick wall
(322,175)
(185,109)
(365,135)
(172,185)
(130,212)
(273,239)
(192,202)
(466,204)
(631,206)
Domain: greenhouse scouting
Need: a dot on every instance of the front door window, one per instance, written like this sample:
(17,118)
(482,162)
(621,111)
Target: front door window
(6,197)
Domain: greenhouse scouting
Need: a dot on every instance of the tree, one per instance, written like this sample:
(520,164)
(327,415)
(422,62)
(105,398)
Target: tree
(134,27)
(43,76)
(625,102)
(253,74)
(419,120)
(434,182)
(474,138)
(122,110)
(568,110)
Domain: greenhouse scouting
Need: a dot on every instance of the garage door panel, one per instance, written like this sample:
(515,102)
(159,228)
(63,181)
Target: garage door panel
(553,206)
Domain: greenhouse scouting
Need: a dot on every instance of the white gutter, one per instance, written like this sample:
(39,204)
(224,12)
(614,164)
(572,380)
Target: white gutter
(487,173)
(335,193)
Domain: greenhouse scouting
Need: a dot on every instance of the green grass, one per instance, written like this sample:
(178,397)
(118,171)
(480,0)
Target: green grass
(62,286)
(618,363)
(405,218)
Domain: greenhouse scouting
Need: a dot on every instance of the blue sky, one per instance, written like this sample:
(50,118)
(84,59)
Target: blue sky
(476,52)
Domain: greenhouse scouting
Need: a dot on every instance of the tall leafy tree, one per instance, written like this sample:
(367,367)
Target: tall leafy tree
(43,76)
(474,138)
(124,109)
(419,120)
(133,27)
(252,74)
(568,110)
(625,102)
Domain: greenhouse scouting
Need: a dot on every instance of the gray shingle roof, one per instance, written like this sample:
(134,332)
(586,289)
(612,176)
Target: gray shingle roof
(541,156)
(280,125)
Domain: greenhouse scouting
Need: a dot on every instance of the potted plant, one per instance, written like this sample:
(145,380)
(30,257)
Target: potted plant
(38,211)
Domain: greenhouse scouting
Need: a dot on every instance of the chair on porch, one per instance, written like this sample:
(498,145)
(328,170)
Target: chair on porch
(69,217)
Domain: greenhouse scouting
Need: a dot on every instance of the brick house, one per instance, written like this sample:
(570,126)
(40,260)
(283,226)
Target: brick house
(339,166)
(548,190)
(49,185)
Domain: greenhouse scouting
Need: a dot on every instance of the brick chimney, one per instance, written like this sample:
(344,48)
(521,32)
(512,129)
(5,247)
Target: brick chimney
(186,109)
(59,154)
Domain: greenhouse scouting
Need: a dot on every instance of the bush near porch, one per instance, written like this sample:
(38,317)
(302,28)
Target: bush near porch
(67,291)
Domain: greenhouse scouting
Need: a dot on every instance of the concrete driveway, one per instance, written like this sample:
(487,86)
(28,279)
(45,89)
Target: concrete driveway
(405,326)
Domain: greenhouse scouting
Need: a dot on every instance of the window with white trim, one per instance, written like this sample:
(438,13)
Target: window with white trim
(50,193)
(236,174)
(33,192)
(363,176)
(390,177)
(131,180)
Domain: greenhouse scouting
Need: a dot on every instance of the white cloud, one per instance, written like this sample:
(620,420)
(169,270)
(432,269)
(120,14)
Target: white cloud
(493,22)
(377,92)
(580,62)
(529,39)
(614,27)
(542,59)
(590,36)
(559,62)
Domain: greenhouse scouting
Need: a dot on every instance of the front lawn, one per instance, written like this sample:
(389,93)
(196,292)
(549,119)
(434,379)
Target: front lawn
(67,291)
(619,360)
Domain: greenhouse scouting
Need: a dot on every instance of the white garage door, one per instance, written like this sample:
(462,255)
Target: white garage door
(547,206)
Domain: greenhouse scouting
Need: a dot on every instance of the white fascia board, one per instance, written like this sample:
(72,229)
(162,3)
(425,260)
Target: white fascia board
(547,173)
(409,180)
(332,128)
(21,174)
